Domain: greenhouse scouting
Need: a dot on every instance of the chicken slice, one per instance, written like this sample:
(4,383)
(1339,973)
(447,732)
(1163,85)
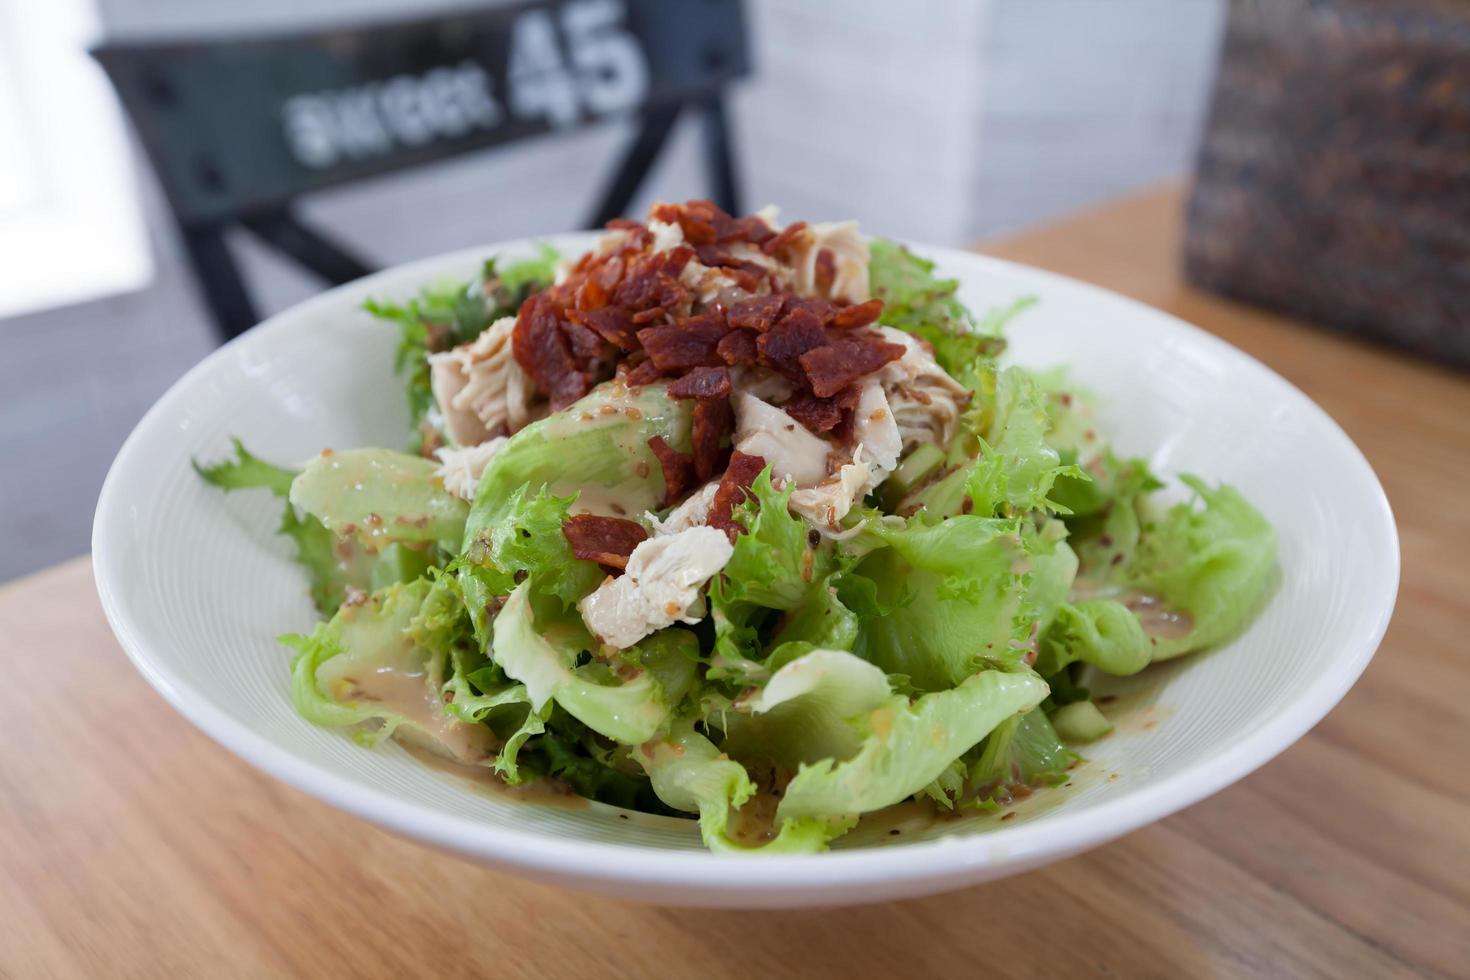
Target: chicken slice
(926,402)
(460,467)
(849,258)
(660,586)
(693,512)
(666,235)
(480,389)
(875,457)
(827,503)
(876,430)
(793,452)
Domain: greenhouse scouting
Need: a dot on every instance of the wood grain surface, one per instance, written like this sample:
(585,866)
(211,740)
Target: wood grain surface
(132,846)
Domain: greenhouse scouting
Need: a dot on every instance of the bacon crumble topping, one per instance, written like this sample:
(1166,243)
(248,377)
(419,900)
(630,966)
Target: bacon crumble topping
(687,299)
(606,540)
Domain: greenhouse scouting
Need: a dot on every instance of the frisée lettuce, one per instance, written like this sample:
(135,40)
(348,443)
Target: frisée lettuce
(760,532)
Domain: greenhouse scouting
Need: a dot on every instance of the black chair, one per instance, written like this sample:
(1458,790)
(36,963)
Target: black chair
(237,130)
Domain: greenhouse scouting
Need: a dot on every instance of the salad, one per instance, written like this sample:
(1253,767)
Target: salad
(745,521)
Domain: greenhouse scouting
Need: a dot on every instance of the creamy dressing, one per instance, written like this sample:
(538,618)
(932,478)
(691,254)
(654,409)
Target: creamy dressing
(411,695)
(544,792)
(1157,618)
(923,819)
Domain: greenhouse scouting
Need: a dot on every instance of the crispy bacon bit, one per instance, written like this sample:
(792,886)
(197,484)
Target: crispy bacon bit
(796,333)
(678,470)
(606,540)
(779,242)
(703,382)
(591,296)
(739,475)
(826,270)
(642,373)
(835,366)
(587,347)
(738,347)
(609,275)
(691,343)
(654,281)
(675,259)
(639,237)
(857,315)
(822,414)
(714,419)
(542,351)
(757,312)
(622,310)
(698,219)
(820,308)
(613,324)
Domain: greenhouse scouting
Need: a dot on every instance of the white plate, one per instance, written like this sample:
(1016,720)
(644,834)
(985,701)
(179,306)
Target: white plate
(196,586)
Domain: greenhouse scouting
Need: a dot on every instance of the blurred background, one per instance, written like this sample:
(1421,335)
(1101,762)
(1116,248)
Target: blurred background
(944,121)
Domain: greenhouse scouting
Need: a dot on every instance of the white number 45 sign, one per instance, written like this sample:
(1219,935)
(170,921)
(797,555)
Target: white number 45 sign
(607,74)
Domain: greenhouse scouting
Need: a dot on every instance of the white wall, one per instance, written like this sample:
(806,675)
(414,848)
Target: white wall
(1084,100)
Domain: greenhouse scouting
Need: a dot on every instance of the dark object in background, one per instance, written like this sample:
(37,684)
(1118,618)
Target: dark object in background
(1334,175)
(237,129)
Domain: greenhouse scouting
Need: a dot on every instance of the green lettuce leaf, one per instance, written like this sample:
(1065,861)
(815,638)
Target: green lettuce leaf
(1100,632)
(1001,463)
(689,773)
(364,665)
(1022,751)
(565,754)
(774,565)
(906,746)
(335,566)
(775,568)
(1210,558)
(802,714)
(1053,570)
(821,619)
(380,497)
(1017,467)
(953,593)
(597,449)
(247,472)
(525,542)
(917,301)
(541,653)
(1107,510)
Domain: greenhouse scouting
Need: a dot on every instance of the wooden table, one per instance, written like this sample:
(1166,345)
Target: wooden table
(131,845)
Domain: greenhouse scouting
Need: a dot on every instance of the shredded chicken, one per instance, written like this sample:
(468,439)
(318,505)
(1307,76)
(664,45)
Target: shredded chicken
(792,451)
(827,503)
(481,390)
(660,586)
(876,430)
(460,467)
(876,456)
(926,402)
(666,235)
(693,512)
(849,256)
